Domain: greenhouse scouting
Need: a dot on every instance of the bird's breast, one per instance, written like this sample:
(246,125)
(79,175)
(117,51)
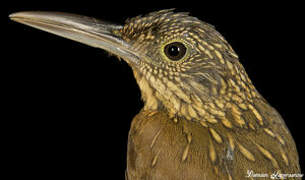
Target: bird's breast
(160,147)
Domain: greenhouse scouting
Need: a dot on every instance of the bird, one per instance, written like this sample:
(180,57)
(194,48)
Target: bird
(202,119)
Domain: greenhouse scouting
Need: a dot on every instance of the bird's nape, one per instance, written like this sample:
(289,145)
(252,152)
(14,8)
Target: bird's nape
(203,118)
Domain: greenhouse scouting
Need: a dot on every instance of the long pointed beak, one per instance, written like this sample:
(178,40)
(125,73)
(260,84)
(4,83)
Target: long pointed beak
(82,29)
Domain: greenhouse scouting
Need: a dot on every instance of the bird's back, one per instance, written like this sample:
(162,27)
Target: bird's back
(161,147)
(203,118)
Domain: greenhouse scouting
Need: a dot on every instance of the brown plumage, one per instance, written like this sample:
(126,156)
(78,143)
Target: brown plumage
(203,118)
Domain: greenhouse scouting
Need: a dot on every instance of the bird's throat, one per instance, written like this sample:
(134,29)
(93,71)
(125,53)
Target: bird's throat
(227,103)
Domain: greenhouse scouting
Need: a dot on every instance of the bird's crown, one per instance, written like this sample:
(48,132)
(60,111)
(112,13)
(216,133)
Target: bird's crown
(187,67)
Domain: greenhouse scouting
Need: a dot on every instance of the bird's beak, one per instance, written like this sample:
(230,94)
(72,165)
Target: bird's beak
(83,29)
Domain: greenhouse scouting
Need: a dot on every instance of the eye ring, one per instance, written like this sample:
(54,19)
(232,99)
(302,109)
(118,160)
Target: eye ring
(175,51)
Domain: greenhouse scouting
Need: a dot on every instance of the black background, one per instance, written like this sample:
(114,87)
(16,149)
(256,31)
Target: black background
(69,106)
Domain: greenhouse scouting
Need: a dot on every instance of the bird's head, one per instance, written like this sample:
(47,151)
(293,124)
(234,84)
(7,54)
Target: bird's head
(181,64)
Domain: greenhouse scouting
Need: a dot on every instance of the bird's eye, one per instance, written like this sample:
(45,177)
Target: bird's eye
(175,51)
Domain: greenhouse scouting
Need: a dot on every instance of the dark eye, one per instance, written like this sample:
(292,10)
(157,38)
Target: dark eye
(175,51)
